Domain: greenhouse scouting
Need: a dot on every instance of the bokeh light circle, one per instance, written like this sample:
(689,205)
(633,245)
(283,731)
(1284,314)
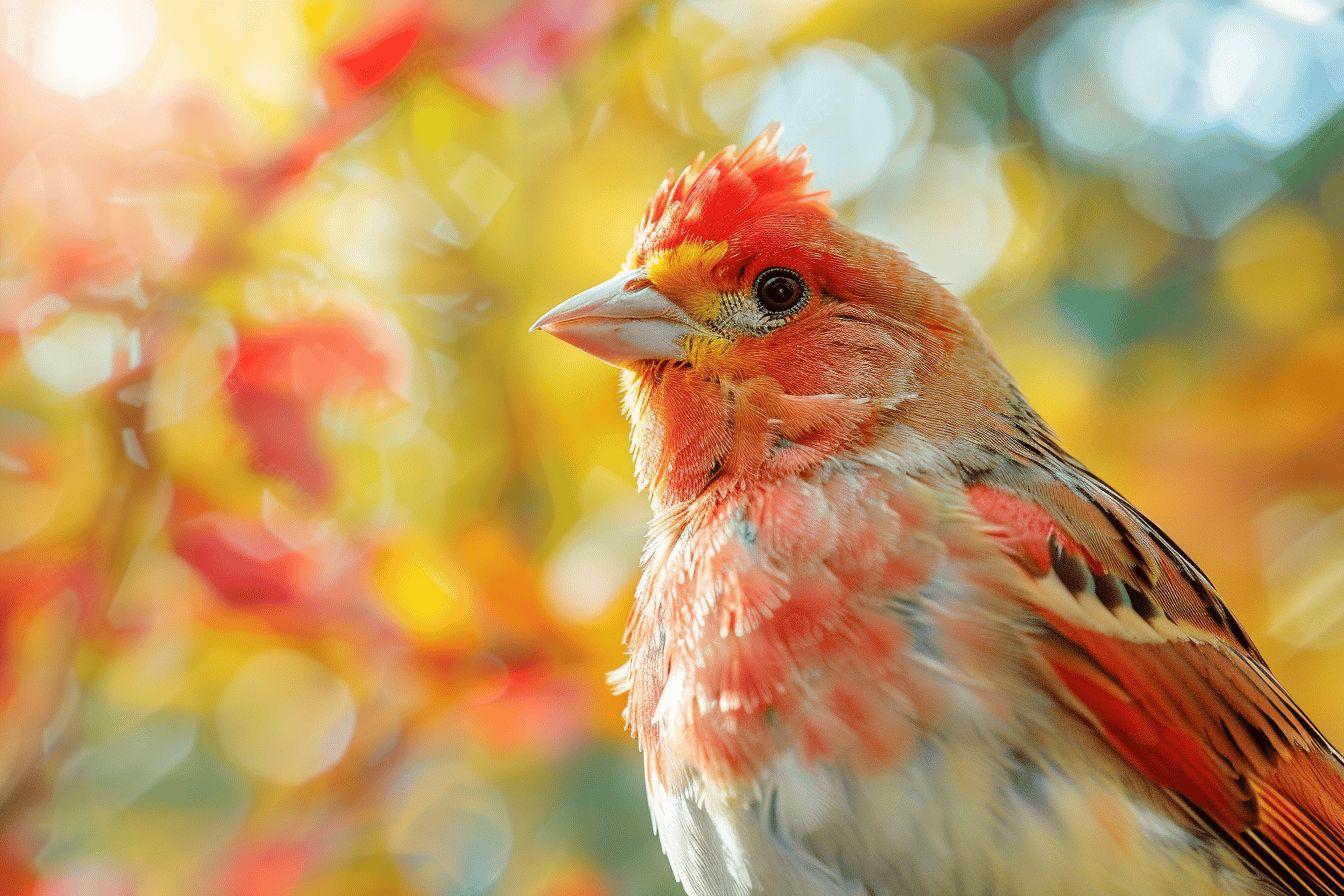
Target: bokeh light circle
(447,829)
(285,717)
(79,47)
(846,104)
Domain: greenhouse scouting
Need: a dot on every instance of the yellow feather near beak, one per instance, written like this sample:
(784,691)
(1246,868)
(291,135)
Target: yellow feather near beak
(686,274)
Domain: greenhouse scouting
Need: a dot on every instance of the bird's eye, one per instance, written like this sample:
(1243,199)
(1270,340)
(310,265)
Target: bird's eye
(780,291)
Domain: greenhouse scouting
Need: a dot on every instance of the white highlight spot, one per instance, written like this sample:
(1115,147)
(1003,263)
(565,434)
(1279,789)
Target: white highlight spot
(1312,12)
(78,353)
(79,47)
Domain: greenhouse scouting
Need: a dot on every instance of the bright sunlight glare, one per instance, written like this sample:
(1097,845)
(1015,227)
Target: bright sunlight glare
(84,47)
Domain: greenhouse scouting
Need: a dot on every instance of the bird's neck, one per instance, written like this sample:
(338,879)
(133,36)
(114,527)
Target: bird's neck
(691,433)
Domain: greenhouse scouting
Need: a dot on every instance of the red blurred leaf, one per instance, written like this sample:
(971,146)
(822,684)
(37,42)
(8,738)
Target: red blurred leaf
(18,876)
(29,581)
(368,61)
(312,357)
(277,378)
(267,869)
(280,433)
(262,184)
(351,77)
(243,561)
(315,585)
(540,708)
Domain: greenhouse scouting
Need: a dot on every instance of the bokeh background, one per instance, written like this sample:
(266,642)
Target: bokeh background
(313,560)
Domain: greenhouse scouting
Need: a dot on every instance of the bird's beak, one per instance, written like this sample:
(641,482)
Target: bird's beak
(621,321)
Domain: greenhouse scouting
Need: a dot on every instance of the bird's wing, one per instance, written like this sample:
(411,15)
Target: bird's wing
(1139,644)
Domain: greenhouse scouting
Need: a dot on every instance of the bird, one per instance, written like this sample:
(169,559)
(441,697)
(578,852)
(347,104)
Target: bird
(889,637)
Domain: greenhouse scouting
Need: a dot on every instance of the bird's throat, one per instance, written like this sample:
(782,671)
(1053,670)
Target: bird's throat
(692,432)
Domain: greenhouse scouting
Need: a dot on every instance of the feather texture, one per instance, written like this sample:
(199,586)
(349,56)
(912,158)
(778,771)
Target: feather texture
(1177,689)
(890,638)
(837,682)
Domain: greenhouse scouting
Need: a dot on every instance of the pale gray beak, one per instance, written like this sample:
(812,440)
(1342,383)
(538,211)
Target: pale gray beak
(622,320)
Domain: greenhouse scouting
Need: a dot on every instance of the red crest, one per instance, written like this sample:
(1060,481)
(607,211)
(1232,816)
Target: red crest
(710,201)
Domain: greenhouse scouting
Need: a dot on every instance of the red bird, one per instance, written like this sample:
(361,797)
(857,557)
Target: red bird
(890,637)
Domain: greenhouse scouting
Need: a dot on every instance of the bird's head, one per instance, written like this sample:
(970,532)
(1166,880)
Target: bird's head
(759,334)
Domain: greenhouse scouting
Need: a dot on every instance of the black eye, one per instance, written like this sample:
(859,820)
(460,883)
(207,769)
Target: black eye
(780,291)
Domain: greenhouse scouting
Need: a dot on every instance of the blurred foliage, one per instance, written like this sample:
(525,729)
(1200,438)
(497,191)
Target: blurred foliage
(312,560)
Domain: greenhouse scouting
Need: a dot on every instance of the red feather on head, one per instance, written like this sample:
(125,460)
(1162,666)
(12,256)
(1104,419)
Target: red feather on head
(712,201)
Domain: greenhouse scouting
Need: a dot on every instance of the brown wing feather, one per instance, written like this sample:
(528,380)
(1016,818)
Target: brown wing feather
(1166,674)
(1119,538)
